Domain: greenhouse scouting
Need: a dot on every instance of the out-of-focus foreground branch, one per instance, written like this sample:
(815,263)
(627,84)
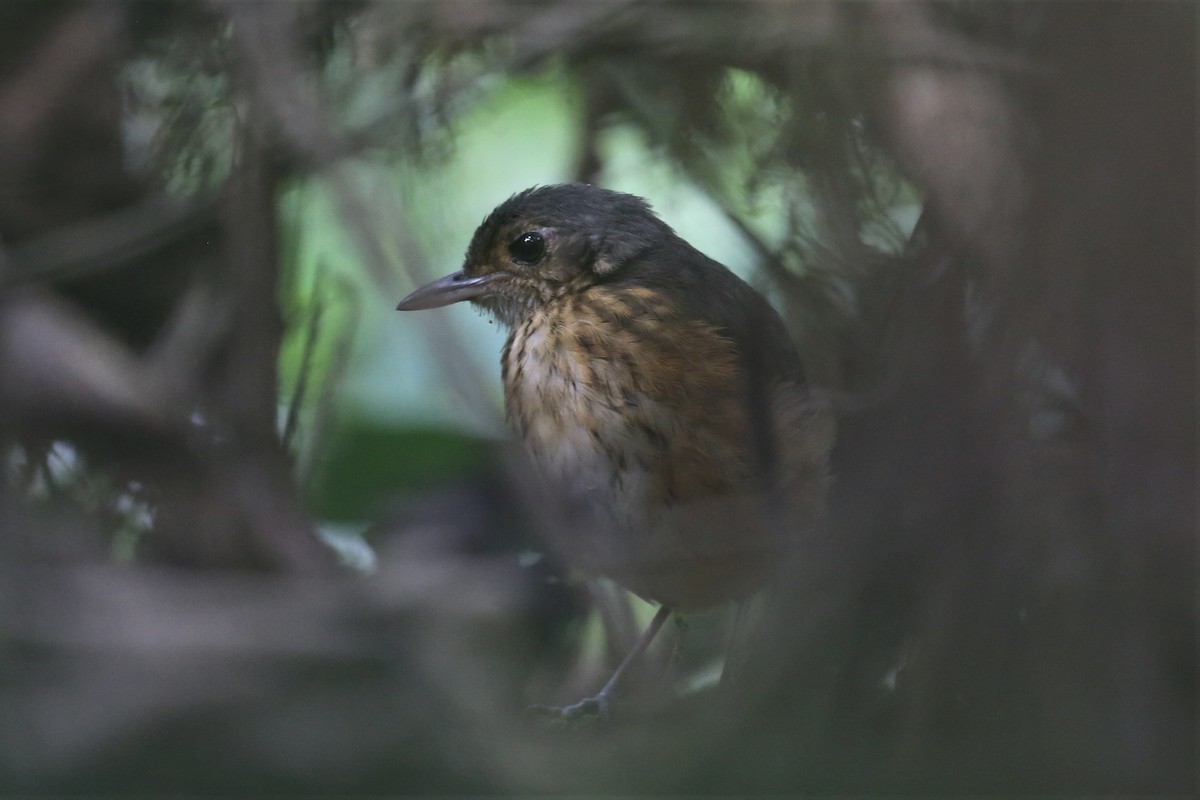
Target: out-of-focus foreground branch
(1002,598)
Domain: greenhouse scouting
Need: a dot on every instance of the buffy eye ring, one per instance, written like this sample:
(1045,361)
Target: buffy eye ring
(528,248)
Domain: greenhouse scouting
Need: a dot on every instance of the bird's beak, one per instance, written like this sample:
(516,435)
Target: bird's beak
(450,289)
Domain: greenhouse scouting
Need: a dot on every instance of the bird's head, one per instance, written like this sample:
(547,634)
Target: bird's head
(544,243)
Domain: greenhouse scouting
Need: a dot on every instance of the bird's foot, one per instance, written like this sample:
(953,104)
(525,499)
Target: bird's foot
(599,707)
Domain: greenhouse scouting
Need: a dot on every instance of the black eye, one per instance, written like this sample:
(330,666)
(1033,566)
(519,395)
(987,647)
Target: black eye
(528,248)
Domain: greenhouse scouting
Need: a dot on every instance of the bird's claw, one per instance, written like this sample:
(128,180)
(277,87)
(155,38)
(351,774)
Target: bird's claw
(599,707)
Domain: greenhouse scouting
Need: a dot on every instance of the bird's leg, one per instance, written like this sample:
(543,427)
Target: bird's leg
(730,673)
(601,703)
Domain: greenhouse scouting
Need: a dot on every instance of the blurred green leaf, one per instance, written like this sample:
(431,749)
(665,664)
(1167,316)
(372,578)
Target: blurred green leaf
(369,462)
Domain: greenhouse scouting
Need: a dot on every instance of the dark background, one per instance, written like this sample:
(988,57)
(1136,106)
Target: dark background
(1003,597)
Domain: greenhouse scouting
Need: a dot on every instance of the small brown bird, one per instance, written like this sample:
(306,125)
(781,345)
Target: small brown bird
(658,394)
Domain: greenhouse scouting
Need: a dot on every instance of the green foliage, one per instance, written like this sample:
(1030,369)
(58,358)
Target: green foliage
(181,114)
(369,462)
(422,192)
(58,483)
(777,182)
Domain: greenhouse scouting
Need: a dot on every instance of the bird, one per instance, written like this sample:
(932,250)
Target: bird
(660,396)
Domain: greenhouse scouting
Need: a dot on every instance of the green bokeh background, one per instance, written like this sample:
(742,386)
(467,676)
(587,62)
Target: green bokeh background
(416,397)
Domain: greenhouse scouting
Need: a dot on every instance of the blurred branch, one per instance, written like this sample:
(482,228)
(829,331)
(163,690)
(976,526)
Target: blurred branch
(59,370)
(1001,599)
(150,661)
(105,242)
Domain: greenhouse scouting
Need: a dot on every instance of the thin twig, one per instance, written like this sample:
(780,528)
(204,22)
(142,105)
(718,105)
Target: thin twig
(312,335)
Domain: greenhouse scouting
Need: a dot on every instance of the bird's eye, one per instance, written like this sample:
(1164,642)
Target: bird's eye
(528,248)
